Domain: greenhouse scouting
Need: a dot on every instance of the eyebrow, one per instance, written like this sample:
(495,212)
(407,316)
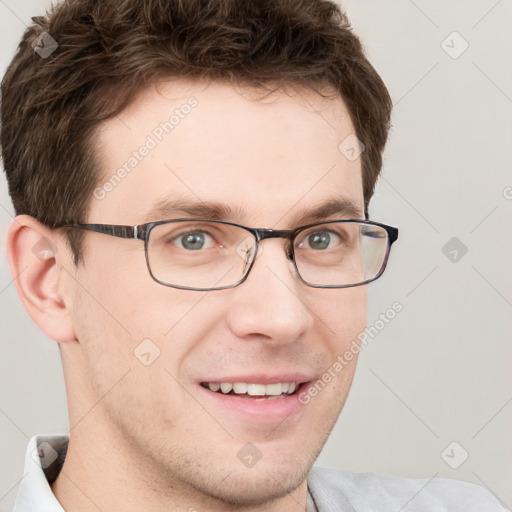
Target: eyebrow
(169,209)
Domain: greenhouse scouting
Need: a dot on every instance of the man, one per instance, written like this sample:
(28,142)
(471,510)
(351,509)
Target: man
(196,177)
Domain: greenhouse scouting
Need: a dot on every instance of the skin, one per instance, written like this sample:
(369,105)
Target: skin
(144,437)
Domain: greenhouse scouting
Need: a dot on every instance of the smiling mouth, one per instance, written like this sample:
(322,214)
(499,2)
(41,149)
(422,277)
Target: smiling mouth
(253,390)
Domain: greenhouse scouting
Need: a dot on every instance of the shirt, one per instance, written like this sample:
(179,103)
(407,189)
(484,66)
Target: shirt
(328,490)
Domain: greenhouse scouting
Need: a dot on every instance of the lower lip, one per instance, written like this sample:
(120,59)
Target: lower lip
(264,409)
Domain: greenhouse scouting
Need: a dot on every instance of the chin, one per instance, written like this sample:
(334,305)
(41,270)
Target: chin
(256,486)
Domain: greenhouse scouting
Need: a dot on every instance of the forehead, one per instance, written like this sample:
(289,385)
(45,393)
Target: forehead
(267,159)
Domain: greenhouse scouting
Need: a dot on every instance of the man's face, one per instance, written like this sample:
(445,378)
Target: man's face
(273,158)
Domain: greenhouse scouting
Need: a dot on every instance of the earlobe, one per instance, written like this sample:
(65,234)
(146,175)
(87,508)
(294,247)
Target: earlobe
(36,268)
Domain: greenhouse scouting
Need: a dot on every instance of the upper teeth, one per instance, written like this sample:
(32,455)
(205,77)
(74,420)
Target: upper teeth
(242,388)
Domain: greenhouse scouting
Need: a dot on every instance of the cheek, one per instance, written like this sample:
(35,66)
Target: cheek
(344,314)
(105,344)
(123,316)
(125,356)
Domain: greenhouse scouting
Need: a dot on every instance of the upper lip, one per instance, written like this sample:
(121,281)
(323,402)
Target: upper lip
(260,378)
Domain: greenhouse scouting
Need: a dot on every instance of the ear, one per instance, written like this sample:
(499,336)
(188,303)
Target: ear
(37,257)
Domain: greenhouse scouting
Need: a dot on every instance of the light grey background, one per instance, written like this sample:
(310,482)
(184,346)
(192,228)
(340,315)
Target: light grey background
(440,371)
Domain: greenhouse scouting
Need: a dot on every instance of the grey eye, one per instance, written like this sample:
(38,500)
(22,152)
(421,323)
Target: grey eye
(194,240)
(319,240)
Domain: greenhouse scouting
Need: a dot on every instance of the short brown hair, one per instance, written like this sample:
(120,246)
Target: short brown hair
(109,49)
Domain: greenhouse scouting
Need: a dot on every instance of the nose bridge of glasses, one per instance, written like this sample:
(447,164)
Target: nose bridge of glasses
(287,234)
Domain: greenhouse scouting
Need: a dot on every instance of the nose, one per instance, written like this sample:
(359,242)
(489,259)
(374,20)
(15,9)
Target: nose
(270,302)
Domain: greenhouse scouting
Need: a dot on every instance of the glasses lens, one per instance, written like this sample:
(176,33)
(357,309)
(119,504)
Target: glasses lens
(199,254)
(341,253)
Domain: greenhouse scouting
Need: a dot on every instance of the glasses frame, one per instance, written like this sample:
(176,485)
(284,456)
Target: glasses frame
(142,232)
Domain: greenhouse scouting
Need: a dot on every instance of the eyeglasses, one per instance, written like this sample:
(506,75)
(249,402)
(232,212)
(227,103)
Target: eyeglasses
(204,254)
